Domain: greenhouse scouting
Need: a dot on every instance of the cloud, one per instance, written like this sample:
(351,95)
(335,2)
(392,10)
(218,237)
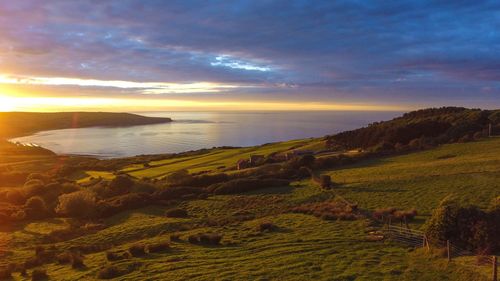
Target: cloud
(142,87)
(328,50)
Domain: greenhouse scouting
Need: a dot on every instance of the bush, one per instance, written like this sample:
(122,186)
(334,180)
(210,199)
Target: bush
(64,258)
(384,214)
(113,256)
(12,178)
(325,181)
(210,238)
(45,256)
(77,261)
(178,177)
(121,203)
(77,204)
(5,273)
(109,272)
(137,250)
(39,274)
(175,237)
(468,227)
(143,187)
(15,196)
(120,185)
(176,213)
(37,176)
(33,182)
(158,247)
(32,262)
(194,239)
(330,210)
(64,234)
(35,208)
(266,226)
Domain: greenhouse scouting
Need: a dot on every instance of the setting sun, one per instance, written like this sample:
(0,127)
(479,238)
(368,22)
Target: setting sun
(7,104)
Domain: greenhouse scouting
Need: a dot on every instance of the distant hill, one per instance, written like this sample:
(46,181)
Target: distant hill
(421,128)
(13,124)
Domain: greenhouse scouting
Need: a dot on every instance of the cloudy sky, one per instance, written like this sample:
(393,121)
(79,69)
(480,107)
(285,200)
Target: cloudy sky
(134,55)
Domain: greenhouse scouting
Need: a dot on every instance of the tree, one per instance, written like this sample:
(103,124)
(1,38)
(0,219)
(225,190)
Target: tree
(178,177)
(35,208)
(77,204)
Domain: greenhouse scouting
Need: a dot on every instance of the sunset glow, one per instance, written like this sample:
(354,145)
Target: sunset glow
(246,55)
(52,104)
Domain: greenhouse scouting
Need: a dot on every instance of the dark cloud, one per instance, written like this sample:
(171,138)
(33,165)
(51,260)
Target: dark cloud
(324,50)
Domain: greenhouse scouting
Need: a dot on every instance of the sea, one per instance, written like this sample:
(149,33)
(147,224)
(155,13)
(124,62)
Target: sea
(197,130)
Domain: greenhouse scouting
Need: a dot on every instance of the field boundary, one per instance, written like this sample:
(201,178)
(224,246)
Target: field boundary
(418,239)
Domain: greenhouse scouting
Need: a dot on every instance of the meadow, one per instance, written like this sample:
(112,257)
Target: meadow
(298,246)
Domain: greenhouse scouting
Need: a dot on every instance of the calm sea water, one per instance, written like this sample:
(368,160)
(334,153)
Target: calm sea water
(196,130)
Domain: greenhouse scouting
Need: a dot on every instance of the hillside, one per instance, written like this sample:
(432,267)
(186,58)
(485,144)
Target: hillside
(420,129)
(14,124)
(196,216)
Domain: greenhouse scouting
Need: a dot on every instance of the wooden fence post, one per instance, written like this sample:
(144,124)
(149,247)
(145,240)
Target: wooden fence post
(495,268)
(448,249)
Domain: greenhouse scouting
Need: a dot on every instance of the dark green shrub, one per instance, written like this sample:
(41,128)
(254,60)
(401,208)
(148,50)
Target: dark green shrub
(210,238)
(32,262)
(77,261)
(178,177)
(15,196)
(266,226)
(120,185)
(194,239)
(39,274)
(113,256)
(158,247)
(137,250)
(77,204)
(35,208)
(176,213)
(5,273)
(175,237)
(109,272)
(64,258)
(468,227)
(114,205)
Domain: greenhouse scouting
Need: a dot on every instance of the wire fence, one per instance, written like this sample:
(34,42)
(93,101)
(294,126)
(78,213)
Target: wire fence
(484,264)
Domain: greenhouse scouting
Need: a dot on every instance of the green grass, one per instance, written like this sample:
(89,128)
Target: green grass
(303,247)
(211,160)
(95,174)
(420,180)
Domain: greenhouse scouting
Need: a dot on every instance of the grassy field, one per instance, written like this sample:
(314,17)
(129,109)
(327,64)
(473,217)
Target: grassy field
(420,180)
(215,159)
(301,247)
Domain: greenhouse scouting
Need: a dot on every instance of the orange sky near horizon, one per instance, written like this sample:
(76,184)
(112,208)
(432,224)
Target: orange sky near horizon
(42,94)
(54,104)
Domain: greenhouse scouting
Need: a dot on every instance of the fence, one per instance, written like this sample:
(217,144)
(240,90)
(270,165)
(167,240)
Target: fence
(418,239)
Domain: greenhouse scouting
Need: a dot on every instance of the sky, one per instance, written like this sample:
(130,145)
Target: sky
(129,55)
